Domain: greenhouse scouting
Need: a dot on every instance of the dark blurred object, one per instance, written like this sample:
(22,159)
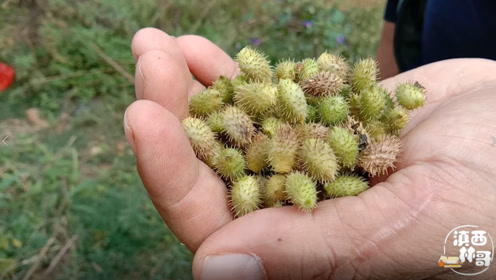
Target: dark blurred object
(408,34)
(7,75)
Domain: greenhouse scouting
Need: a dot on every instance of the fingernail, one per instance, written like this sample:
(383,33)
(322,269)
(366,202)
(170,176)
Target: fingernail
(139,82)
(129,133)
(233,266)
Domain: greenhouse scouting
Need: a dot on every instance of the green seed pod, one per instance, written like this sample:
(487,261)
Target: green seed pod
(229,163)
(201,137)
(333,110)
(286,69)
(270,125)
(345,146)
(396,119)
(323,84)
(346,92)
(292,105)
(205,103)
(389,102)
(380,155)
(313,100)
(334,64)
(239,80)
(256,154)
(245,195)
(346,185)
(208,158)
(312,130)
(283,149)
(216,122)
(237,126)
(309,68)
(225,87)
(302,191)
(318,160)
(410,96)
(377,129)
(254,65)
(312,114)
(372,104)
(275,191)
(255,98)
(354,103)
(365,74)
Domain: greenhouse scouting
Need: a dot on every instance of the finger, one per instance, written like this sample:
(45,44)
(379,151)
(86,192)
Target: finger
(205,60)
(196,88)
(341,239)
(148,39)
(162,74)
(189,196)
(444,80)
(447,78)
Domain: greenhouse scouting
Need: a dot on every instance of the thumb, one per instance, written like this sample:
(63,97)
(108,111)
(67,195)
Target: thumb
(275,243)
(369,236)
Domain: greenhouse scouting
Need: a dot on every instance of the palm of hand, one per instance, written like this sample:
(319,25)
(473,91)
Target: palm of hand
(443,179)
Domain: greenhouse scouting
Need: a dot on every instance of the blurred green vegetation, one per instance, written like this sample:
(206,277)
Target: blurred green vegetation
(71,202)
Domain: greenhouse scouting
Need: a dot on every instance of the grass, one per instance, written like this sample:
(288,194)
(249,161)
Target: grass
(71,202)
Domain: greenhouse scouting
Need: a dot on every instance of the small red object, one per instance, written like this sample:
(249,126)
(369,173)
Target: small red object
(7,75)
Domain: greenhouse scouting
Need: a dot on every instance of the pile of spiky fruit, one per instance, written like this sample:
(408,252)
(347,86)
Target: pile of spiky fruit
(299,133)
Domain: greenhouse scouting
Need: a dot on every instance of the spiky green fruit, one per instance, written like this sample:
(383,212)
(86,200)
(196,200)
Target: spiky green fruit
(346,91)
(396,119)
(312,114)
(345,146)
(283,149)
(354,104)
(365,74)
(237,126)
(334,64)
(323,84)
(256,154)
(216,122)
(229,163)
(377,129)
(200,136)
(389,102)
(225,87)
(410,96)
(308,69)
(372,104)
(346,185)
(286,69)
(301,190)
(270,125)
(333,110)
(318,159)
(313,100)
(312,130)
(245,195)
(291,102)
(275,191)
(208,158)
(205,103)
(255,98)
(254,65)
(239,80)
(380,155)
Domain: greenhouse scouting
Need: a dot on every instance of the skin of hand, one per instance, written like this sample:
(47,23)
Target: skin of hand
(386,60)
(445,178)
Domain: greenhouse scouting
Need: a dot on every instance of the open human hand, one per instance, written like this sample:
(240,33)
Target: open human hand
(395,230)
